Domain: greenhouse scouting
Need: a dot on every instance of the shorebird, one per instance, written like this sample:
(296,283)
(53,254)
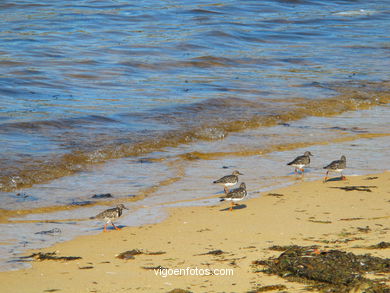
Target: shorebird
(108,216)
(300,162)
(228,180)
(336,166)
(235,195)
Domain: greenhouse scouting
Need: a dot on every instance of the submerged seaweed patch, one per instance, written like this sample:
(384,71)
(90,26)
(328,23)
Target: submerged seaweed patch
(333,270)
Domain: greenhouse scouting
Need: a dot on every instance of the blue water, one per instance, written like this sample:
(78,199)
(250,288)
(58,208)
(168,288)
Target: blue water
(134,97)
(76,58)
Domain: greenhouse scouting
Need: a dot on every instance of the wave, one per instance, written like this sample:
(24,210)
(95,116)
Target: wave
(208,120)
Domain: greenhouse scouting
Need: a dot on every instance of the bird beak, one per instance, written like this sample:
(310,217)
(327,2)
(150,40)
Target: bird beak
(240,173)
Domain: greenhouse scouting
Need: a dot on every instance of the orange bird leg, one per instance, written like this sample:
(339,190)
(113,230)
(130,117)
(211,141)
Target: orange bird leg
(231,206)
(116,228)
(226,189)
(326,176)
(105,226)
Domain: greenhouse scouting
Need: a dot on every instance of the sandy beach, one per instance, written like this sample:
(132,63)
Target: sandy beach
(214,249)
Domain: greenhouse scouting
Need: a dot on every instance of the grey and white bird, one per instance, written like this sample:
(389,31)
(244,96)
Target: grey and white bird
(110,215)
(301,162)
(336,166)
(228,180)
(235,195)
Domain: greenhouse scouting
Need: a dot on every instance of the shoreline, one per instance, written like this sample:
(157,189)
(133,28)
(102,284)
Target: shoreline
(305,213)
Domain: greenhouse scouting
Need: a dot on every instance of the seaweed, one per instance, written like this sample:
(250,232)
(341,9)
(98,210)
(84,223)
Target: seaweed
(178,290)
(53,231)
(380,245)
(333,270)
(102,195)
(50,256)
(155,268)
(268,288)
(356,188)
(129,254)
(275,194)
(288,247)
(86,268)
(213,252)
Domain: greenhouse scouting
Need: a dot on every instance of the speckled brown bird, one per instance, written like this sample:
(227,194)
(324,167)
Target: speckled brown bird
(235,195)
(336,166)
(228,180)
(108,216)
(301,162)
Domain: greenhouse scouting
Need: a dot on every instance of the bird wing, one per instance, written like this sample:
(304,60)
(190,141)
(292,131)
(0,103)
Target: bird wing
(299,160)
(224,179)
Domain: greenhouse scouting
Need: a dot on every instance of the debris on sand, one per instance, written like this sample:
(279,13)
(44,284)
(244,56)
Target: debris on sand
(50,256)
(289,247)
(380,245)
(333,270)
(275,194)
(155,268)
(268,288)
(371,178)
(356,188)
(129,254)
(213,252)
(179,291)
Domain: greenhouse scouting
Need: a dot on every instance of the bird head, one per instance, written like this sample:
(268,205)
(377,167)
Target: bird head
(122,207)
(236,173)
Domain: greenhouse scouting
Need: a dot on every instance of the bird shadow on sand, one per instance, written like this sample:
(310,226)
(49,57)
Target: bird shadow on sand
(109,228)
(335,179)
(237,207)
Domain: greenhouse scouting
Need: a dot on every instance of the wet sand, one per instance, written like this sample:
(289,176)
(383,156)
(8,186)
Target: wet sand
(347,215)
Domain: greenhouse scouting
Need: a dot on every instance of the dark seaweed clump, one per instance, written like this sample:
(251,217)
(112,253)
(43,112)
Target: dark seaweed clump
(50,256)
(268,288)
(380,245)
(331,271)
(129,254)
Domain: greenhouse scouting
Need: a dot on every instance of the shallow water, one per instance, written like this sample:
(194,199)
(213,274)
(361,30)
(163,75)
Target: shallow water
(136,99)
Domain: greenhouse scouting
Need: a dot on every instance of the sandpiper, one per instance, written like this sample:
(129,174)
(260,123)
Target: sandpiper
(229,180)
(110,215)
(300,162)
(336,166)
(235,195)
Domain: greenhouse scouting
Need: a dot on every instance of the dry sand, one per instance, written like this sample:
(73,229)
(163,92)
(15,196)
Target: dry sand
(306,213)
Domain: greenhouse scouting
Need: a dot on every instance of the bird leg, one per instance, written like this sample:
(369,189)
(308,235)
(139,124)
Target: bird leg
(343,177)
(295,171)
(226,190)
(105,227)
(231,206)
(116,228)
(326,176)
